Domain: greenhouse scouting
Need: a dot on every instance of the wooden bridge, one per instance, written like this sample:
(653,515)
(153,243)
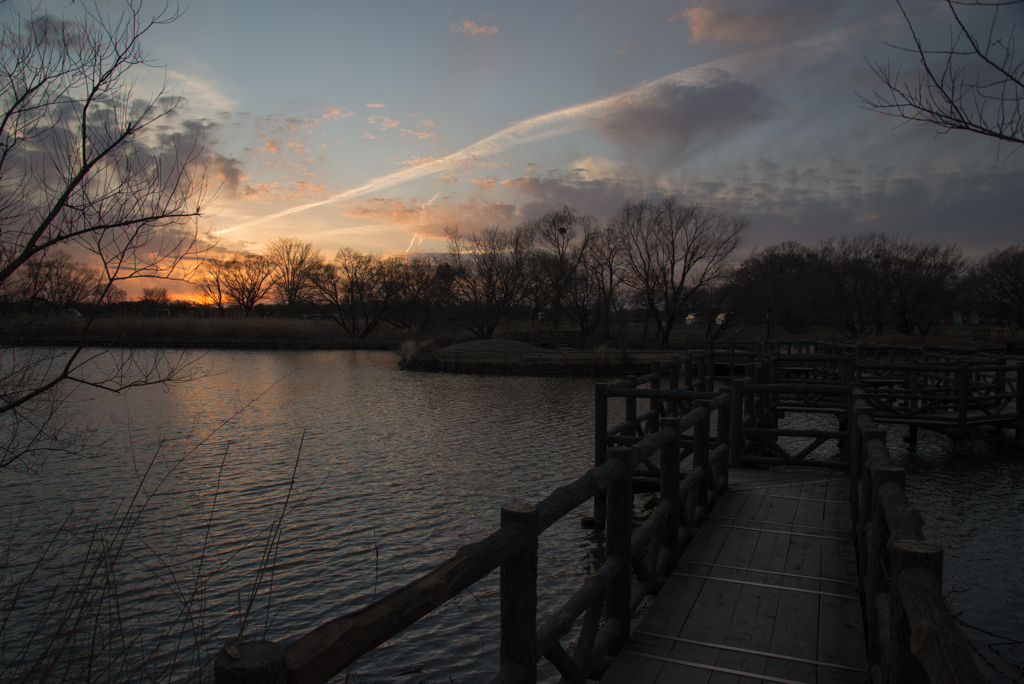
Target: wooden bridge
(816,574)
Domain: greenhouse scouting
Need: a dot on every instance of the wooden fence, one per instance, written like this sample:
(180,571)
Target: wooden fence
(637,562)
(723,421)
(911,635)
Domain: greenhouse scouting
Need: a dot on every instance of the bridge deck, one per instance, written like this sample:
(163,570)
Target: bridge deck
(783,604)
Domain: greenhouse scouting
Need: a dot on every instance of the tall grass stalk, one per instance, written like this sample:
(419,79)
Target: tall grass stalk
(134,595)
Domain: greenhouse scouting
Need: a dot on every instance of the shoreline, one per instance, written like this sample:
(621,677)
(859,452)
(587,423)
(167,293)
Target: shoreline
(211,343)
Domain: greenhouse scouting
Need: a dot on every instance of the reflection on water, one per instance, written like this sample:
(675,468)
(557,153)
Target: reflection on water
(397,470)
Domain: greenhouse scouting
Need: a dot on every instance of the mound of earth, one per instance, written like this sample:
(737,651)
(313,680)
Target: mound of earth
(497,346)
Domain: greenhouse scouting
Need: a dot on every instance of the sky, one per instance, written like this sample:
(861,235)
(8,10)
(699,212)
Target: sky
(376,125)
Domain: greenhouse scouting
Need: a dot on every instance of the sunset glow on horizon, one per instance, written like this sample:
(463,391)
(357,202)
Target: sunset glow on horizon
(364,127)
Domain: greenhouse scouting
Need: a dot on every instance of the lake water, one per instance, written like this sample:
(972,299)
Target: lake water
(393,472)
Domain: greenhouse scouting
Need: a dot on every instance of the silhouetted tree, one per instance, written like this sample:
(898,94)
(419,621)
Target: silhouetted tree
(489,271)
(155,296)
(923,279)
(671,250)
(777,285)
(418,293)
(294,262)
(997,281)
(560,241)
(209,283)
(357,291)
(856,290)
(247,280)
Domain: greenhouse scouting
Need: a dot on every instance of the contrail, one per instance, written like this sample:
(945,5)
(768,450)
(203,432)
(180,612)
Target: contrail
(416,234)
(578,117)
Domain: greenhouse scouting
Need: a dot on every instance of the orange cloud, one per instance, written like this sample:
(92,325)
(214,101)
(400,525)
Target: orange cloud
(472,28)
(374,105)
(382,121)
(419,135)
(271,147)
(732,22)
(271,192)
(416,161)
(334,113)
(428,122)
(430,219)
(484,183)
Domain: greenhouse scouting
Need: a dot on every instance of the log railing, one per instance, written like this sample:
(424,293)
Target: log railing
(911,635)
(637,562)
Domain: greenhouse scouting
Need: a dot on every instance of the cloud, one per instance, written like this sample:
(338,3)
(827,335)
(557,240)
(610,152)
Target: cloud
(600,197)
(272,192)
(382,122)
(754,64)
(374,105)
(332,113)
(483,183)
(677,118)
(757,23)
(420,135)
(202,93)
(428,122)
(472,28)
(430,218)
(226,170)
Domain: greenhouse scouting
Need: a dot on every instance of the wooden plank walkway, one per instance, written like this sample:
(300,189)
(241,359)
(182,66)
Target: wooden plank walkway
(779,602)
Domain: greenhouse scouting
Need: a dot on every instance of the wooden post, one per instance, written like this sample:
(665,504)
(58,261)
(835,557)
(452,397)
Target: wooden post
(670,492)
(962,379)
(736,424)
(631,430)
(878,577)
(673,383)
(600,447)
(748,396)
(519,594)
(701,452)
(722,425)
(619,531)
(251,662)
(773,378)
(723,431)
(855,461)
(901,665)
(653,425)
(912,404)
(688,371)
(709,382)
(1000,378)
(1018,432)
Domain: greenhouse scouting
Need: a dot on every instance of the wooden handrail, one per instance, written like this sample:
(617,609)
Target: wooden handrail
(908,626)
(911,633)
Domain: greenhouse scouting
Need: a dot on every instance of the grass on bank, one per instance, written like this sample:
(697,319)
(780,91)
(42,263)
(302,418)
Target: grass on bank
(197,329)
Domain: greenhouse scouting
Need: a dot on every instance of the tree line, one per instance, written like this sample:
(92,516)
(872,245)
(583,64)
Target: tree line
(665,260)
